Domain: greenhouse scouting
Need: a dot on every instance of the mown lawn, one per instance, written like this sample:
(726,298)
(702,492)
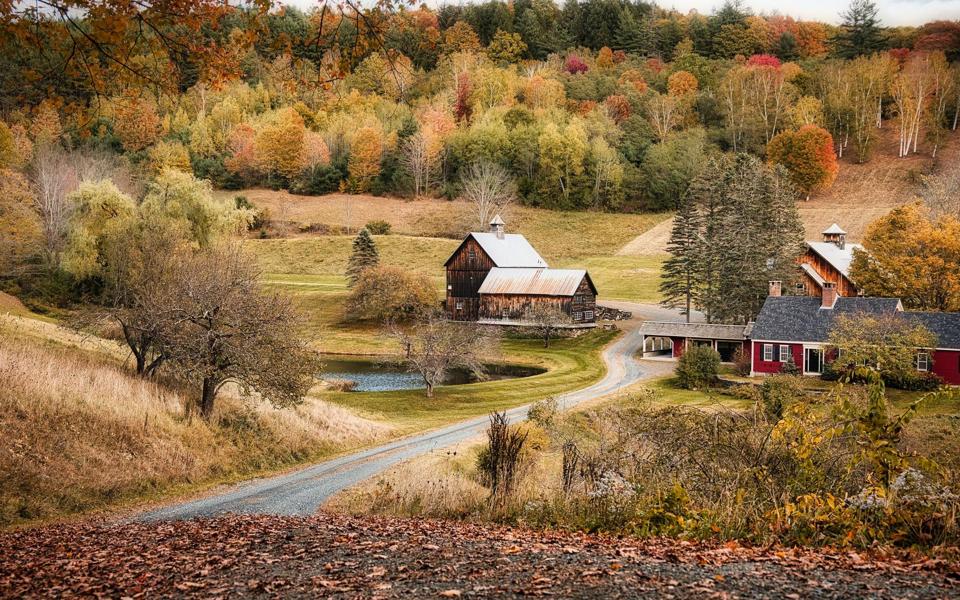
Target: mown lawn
(572,364)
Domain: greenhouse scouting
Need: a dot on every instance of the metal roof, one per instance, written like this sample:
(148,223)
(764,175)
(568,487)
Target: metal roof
(813,274)
(710,331)
(839,258)
(513,250)
(533,282)
(834,230)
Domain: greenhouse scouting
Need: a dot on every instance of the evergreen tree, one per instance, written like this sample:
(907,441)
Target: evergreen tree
(860,31)
(636,35)
(364,256)
(680,274)
(787,48)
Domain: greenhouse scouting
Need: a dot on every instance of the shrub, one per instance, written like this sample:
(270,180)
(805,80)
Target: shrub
(913,381)
(499,461)
(379,227)
(317,180)
(741,363)
(790,367)
(698,367)
(777,392)
(390,294)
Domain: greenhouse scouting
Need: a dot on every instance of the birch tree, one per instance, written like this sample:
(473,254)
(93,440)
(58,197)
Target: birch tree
(489,188)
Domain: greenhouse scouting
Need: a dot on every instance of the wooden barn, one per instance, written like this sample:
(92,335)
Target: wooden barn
(498,277)
(828,261)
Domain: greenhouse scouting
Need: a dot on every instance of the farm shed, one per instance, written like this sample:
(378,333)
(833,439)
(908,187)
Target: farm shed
(674,338)
(498,277)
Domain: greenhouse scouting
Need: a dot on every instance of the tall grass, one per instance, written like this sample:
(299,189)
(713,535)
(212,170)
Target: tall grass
(80,432)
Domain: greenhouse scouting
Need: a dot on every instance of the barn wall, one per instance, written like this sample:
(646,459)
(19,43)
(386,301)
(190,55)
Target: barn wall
(584,303)
(515,306)
(845,287)
(465,275)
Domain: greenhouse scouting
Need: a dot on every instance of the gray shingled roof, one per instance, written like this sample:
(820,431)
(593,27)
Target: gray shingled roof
(800,318)
(708,331)
(946,326)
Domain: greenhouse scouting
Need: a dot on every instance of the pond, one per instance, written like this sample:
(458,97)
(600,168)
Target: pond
(373,376)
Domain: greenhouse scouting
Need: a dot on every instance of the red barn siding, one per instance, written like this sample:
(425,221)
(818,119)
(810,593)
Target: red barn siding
(946,364)
(679,344)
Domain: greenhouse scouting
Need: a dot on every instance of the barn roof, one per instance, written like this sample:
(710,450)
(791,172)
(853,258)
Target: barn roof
(534,282)
(511,251)
(839,258)
(813,274)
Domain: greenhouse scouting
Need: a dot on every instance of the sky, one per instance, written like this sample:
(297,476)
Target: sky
(892,12)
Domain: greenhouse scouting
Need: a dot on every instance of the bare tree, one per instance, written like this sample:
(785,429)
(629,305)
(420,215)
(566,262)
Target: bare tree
(225,329)
(489,188)
(416,161)
(53,178)
(434,346)
(941,192)
(547,321)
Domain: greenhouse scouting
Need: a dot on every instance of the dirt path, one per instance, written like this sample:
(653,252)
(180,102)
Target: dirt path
(302,492)
(335,556)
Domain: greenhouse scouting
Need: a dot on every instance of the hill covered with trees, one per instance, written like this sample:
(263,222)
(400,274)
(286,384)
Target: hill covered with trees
(600,104)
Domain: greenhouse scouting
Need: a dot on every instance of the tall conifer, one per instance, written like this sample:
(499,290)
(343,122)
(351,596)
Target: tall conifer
(364,256)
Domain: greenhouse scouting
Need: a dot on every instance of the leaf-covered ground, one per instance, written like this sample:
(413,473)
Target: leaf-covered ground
(339,556)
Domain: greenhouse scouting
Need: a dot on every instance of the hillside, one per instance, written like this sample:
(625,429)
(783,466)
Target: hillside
(861,194)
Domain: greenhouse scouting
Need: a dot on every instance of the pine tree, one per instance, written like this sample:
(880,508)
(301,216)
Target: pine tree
(636,35)
(364,256)
(860,31)
(680,274)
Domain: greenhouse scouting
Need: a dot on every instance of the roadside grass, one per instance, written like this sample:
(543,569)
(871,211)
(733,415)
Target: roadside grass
(80,432)
(570,363)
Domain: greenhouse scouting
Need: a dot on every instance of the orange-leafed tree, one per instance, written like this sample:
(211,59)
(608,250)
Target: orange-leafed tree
(46,129)
(605,59)
(136,123)
(365,154)
(241,145)
(808,156)
(681,84)
(315,151)
(279,144)
(913,257)
(460,38)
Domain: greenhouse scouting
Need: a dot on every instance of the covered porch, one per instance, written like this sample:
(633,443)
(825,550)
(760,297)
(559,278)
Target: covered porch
(672,339)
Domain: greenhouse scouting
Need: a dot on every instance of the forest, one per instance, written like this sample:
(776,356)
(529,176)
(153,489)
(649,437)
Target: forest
(600,104)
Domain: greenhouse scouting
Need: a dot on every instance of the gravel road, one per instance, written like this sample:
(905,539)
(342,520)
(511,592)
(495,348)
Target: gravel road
(301,492)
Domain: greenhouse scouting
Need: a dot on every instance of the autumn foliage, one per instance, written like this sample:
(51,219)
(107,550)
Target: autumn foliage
(808,156)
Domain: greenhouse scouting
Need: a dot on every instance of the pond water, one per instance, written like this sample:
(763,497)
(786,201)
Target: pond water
(385,376)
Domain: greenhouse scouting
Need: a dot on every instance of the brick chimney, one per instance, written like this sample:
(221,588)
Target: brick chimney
(496,226)
(829,297)
(775,289)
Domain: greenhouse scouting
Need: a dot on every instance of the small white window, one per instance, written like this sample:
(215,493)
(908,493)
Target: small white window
(578,316)
(768,352)
(459,304)
(588,315)
(923,361)
(784,354)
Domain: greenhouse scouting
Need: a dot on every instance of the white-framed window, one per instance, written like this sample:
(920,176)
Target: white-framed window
(768,352)
(588,315)
(784,353)
(459,304)
(578,316)
(923,361)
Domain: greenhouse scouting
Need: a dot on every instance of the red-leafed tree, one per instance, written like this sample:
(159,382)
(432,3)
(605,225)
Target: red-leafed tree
(808,156)
(575,65)
(764,60)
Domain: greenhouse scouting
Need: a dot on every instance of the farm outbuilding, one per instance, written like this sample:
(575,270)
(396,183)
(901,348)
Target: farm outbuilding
(499,278)
(672,338)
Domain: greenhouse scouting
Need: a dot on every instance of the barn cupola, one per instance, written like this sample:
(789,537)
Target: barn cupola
(496,226)
(835,235)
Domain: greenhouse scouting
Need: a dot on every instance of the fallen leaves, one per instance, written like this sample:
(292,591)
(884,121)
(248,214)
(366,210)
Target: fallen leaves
(340,556)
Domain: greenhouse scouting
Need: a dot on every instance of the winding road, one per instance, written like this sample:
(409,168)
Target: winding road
(301,492)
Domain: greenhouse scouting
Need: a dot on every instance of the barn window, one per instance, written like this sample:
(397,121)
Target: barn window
(588,315)
(459,304)
(768,352)
(923,361)
(784,354)
(578,316)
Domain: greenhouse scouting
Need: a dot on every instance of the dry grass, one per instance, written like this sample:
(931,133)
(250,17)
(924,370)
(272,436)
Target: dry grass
(80,432)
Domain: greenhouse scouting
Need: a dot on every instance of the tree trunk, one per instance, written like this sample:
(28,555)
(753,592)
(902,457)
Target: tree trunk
(546,339)
(207,396)
(429,390)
